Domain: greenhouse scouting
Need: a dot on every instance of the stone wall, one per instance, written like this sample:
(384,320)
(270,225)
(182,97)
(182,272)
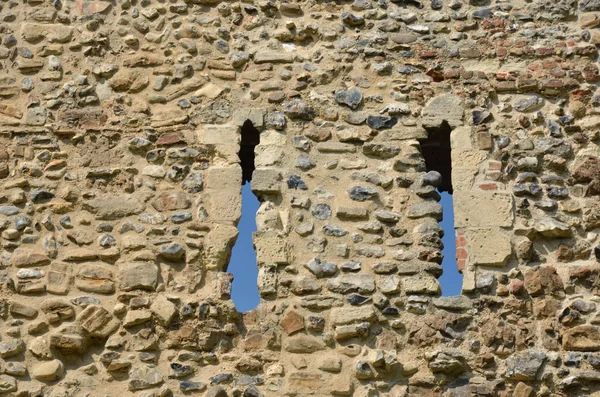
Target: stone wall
(120,127)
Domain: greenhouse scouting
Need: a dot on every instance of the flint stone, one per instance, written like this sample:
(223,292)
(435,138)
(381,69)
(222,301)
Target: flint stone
(351,98)
(528,104)
(299,109)
(321,211)
(362,283)
(359,193)
(381,122)
(173,251)
(12,347)
(319,269)
(589,5)
(524,366)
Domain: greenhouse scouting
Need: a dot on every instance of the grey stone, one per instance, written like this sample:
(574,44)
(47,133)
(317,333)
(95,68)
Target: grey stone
(298,109)
(351,98)
(275,120)
(425,209)
(332,230)
(189,386)
(525,365)
(319,269)
(380,150)
(41,196)
(381,122)
(451,362)
(432,178)
(173,251)
(528,104)
(360,193)
(9,210)
(321,211)
(144,377)
(459,302)
(346,283)
(589,5)
(295,182)
(482,13)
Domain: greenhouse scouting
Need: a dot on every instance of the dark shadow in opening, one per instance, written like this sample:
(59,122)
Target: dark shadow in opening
(250,138)
(436,150)
(243,266)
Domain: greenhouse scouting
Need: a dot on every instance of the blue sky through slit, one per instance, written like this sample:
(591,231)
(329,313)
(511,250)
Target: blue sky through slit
(243,258)
(451,280)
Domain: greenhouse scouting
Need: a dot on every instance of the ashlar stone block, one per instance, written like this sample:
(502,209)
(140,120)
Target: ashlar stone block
(266,181)
(489,246)
(271,249)
(483,209)
(224,194)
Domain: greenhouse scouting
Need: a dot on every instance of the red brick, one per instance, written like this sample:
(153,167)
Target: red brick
(488,186)
(461,264)
(461,253)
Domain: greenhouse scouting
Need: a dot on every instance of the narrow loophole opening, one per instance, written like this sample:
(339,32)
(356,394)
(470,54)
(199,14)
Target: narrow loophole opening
(436,150)
(243,263)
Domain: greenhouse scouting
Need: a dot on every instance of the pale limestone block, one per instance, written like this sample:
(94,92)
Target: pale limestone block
(256,117)
(224,194)
(446,107)
(421,284)
(489,246)
(218,134)
(271,249)
(266,180)
(219,242)
(483,209)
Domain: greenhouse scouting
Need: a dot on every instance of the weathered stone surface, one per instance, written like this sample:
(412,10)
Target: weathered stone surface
(582,338)
(97,321)
(144,377)
(124,140)
(467,213)
(49,371)
(142,276)
(114,207)
(524,366)
(446,108)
